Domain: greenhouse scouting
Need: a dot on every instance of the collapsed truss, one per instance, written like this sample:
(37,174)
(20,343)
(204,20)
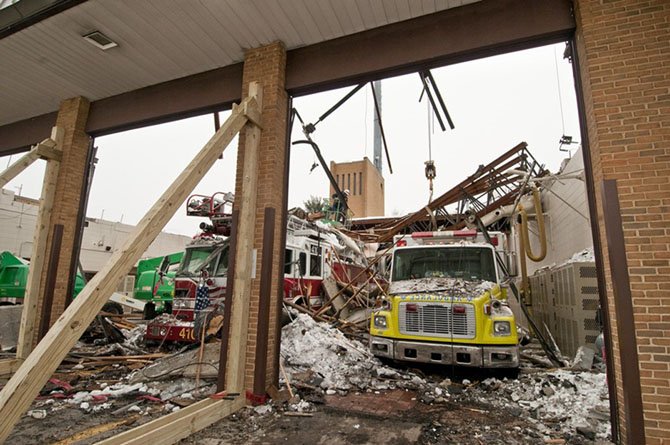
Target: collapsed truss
(492,186)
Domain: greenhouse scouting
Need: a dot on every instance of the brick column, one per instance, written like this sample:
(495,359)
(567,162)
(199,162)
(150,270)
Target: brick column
(267,66)
(72,117)
(624,57)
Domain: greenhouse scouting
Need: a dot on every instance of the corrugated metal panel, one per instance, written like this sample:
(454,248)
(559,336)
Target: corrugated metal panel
(160,41)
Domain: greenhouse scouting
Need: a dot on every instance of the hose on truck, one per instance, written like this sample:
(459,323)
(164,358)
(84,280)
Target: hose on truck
(552,354)
(525,248)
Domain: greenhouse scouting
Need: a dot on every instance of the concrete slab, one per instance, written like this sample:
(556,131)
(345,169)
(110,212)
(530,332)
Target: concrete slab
(10,321)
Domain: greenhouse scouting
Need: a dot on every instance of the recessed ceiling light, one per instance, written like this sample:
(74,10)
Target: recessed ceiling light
(99,40)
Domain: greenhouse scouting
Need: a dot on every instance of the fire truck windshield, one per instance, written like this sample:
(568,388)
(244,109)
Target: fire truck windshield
(194,260)
(471,263)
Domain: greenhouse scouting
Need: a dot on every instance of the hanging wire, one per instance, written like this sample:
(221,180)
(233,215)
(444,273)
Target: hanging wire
(560,98)
(430,165)
(365,123)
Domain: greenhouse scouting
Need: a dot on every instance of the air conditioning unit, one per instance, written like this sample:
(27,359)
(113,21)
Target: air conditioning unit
(565,299)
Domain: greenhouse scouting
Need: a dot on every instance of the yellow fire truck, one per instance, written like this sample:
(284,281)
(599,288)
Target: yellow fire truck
(446,302)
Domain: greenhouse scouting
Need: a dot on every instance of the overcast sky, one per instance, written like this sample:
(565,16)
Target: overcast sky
(495,103)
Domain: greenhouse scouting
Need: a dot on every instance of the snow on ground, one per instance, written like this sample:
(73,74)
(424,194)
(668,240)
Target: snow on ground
(556,401)
(343,364)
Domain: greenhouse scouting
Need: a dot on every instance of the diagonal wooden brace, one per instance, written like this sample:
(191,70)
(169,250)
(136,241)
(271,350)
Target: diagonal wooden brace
(20,391)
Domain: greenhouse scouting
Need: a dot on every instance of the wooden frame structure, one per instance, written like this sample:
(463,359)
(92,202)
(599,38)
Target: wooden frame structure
(39,365)
(50,150)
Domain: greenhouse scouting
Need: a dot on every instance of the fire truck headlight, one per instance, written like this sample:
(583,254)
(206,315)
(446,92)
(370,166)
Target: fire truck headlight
(380,322)
(501,328)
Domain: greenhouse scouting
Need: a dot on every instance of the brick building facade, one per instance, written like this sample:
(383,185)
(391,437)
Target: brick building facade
(624,62)
(365,184)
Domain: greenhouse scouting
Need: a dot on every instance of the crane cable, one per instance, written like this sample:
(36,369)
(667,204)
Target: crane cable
(430,171)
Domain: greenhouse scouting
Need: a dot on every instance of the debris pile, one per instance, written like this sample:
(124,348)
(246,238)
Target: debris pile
(558,402)
(322,357)
(349,301)
(458,288)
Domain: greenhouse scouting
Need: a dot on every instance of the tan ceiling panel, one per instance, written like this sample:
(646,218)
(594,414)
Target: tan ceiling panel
(160,41)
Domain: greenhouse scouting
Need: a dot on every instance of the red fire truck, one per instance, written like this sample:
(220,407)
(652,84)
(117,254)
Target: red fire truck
(313,251)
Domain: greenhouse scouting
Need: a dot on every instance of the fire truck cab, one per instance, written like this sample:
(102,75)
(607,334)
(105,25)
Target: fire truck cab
(447,303)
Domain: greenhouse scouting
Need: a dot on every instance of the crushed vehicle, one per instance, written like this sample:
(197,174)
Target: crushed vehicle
(447,303)
(313,251)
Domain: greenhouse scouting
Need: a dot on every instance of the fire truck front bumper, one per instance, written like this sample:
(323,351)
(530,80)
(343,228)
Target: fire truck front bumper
(448,354)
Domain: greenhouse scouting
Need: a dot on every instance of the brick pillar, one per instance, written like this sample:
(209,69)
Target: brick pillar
(624,58)
(267,66)
(72,117)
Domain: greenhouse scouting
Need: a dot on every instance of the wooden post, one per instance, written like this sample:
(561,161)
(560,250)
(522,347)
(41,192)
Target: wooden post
(239,315)
(20,391)
(38,256)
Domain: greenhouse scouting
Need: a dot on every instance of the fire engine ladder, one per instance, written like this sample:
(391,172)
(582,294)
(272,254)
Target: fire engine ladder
(488,188)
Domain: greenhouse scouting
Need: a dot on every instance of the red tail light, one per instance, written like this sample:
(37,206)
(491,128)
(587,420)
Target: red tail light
(458,309)
(411,308)
(401,243)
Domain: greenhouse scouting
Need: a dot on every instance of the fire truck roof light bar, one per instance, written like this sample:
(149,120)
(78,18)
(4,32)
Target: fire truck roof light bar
(445,234)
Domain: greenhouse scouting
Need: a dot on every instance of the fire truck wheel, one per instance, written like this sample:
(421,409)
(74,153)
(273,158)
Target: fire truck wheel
(285,317)
(149,311)
(510,373)
(112,307)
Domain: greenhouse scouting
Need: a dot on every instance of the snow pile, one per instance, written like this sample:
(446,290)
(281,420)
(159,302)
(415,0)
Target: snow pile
(339,363)
(453,286)
(558,401)
(135,336)
(584,256)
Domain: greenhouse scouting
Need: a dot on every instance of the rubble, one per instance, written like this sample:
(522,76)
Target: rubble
(323,364)
(556,402)
(455,287)
(336,362)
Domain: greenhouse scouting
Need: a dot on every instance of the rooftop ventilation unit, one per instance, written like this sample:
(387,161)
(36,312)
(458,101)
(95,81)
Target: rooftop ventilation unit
(100,40)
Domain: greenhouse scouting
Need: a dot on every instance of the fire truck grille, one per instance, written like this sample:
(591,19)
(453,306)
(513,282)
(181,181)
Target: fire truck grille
(437,320)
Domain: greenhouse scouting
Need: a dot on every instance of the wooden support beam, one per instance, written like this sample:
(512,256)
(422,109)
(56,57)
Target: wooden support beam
(38,256)
(172,428)
(239,315)
(48,152)
(9,366)
(38,151)
(22,388)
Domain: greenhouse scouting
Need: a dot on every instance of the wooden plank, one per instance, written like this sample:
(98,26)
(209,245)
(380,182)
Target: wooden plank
(239,315)
(21,389)
(30,313)
(16,168)
(96,430)
(9,366)
(179,425)
(48,152)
